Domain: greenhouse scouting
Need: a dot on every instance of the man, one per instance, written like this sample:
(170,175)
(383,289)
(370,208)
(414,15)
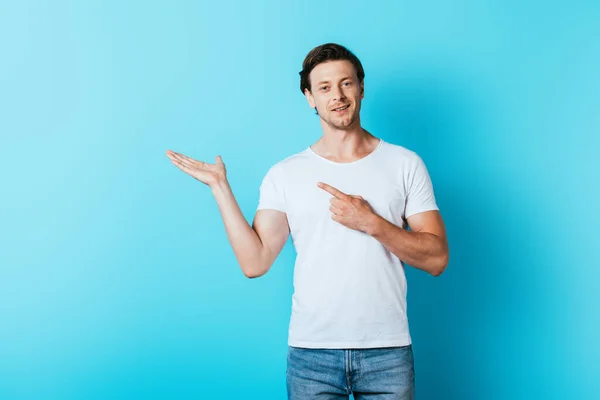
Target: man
(346,201)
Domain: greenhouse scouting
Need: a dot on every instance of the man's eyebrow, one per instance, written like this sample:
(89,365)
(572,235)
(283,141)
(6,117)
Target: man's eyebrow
(326,81)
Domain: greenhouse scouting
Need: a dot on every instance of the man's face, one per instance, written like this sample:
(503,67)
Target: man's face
(334,84)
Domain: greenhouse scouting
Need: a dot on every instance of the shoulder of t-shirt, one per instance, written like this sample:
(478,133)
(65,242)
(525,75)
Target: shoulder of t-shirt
(289,161)
(401,153)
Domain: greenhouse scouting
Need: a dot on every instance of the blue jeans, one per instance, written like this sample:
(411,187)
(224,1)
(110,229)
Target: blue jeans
(373,373)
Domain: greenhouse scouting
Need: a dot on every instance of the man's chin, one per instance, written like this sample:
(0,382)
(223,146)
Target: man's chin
(344,126)
(338,125)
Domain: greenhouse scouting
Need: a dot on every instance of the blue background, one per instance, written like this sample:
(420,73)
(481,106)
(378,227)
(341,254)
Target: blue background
(117,280)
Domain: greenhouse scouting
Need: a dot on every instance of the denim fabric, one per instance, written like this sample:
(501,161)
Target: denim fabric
(373,373)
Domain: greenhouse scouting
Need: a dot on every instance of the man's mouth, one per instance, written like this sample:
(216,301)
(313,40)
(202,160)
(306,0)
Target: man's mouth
(341,108)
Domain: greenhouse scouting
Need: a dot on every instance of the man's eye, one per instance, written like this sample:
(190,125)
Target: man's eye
(323,87)
(347,83)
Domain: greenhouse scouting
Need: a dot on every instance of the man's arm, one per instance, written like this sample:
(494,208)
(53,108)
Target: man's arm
(424,247)
(255,247)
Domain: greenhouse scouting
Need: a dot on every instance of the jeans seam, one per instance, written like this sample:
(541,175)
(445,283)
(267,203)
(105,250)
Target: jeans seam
(348,371)
(357,357)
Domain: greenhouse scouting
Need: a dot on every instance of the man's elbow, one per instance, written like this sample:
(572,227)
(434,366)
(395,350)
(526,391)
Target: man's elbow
(440,265)
(256,272)
(251,275)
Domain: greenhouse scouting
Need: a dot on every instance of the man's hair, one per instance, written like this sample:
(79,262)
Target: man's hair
(327,52)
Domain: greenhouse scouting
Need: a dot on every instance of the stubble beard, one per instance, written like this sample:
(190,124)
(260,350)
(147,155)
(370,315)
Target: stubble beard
(331,122)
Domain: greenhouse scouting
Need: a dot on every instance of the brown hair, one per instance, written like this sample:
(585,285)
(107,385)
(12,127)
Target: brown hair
(327,52)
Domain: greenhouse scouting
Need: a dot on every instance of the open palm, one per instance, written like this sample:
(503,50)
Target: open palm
(209,174)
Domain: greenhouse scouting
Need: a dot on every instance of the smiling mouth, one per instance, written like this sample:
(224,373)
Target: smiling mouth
(341,108)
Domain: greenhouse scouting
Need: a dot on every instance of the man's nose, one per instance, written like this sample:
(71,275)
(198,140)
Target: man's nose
(337,94)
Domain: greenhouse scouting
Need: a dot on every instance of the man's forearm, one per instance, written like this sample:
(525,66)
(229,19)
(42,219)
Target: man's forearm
(244,240)
(422,250)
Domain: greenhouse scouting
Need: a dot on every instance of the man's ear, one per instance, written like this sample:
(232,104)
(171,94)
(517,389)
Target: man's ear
(362,90)
(309,98)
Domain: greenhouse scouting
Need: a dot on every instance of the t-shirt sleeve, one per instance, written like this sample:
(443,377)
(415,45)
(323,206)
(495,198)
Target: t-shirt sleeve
(272,195)
(420,196)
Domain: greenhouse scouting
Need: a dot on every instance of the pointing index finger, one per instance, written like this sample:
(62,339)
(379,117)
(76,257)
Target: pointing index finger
(333,191)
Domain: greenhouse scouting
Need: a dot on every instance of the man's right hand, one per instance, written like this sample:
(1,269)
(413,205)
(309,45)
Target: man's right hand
(209,174)
(256,247)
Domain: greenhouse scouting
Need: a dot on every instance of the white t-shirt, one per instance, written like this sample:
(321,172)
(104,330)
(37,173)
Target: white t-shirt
(349,290)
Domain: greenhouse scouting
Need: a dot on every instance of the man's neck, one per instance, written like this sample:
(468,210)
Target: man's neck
(345,145)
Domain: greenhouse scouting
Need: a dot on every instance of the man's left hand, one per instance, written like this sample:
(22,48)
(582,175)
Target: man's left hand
(349,210)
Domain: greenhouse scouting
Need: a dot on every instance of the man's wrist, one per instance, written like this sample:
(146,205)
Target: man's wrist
(220,187)
(374,225)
